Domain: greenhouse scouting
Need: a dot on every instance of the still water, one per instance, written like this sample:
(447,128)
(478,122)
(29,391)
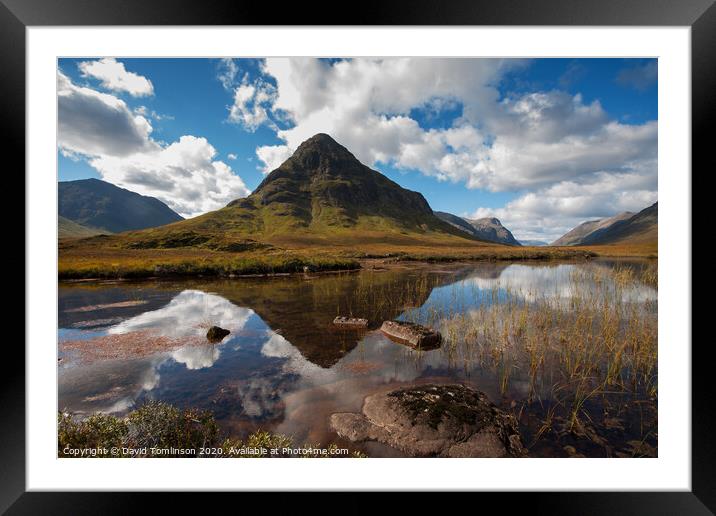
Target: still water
(286,368)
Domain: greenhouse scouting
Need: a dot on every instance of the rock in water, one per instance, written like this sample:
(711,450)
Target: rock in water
(216,334)
(434,421)
(353,322)
(414,335)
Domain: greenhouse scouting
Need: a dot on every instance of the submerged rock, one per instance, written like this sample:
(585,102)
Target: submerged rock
(216,334)
(414,335)
(354,322)
(434,421)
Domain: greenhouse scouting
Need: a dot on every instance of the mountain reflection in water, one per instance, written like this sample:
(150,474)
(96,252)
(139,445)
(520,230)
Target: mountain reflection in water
(285,367)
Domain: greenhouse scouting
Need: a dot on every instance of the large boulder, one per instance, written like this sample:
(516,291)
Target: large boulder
(434,421)
(414,335)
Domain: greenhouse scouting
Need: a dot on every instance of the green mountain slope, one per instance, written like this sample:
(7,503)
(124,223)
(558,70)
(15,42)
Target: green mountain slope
(102,205)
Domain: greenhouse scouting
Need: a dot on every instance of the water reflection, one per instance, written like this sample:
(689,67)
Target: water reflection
(558,284)
(197,357)
(191,312)
(285,366)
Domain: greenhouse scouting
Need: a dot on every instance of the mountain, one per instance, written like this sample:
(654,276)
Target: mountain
(102,205)
(533,243)
(577,235)
(489,229)
(67,228)
(627,227)
(637,229)
(492,230)
(457,222)
(321,195)
(323,184)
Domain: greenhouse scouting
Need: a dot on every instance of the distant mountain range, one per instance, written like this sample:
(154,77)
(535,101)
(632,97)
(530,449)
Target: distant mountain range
(101,206)
(488,228)
(626,227)
(533,243)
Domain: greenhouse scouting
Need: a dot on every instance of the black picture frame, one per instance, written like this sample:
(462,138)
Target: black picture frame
(700,15)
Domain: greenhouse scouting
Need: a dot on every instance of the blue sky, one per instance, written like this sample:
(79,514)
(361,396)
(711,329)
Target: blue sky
(543,144)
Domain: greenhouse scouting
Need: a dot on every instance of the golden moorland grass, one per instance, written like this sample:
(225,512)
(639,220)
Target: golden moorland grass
(112,257)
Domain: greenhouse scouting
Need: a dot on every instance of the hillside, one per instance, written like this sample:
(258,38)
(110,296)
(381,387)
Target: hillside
(455,221)
(492,230)
(102,205)
(67,228)
(577,235)
(488,229)
(641,228)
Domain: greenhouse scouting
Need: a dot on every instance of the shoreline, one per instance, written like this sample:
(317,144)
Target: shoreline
(256,267)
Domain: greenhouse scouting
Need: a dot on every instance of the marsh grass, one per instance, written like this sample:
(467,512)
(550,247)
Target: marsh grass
(208,264)
(593,341)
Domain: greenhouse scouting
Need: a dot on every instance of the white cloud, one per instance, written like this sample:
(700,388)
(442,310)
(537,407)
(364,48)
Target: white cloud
(114,76)
(182,174)
(150,113)
(117,143)
(227,72)
(232,156)
(95,123)
(273,155)
(251,104)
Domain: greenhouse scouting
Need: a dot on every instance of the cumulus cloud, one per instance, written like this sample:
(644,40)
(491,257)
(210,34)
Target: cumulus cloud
(183,174)
(117,142)
(114,76)
(273,155)
(251,104)
(92,123)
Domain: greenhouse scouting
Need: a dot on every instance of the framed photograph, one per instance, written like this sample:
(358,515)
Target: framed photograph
(423,244)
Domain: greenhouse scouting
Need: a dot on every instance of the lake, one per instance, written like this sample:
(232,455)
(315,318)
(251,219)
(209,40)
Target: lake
(568,348)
